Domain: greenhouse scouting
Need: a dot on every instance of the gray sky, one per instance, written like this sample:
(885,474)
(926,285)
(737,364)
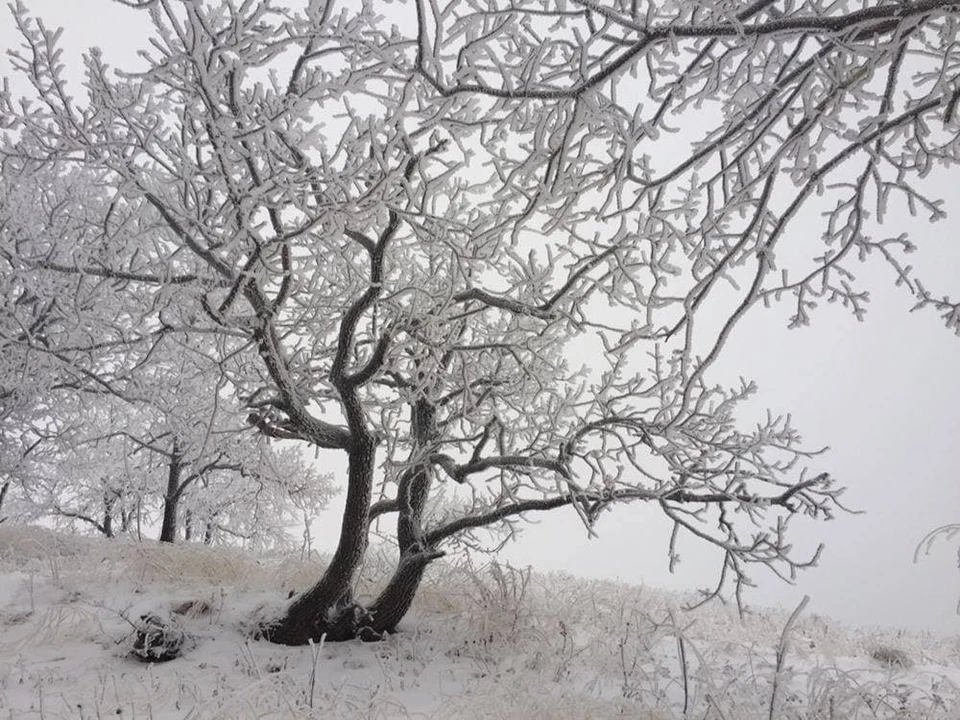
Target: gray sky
(884,394)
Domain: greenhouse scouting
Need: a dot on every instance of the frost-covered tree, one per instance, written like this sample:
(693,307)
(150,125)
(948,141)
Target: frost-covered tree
(107,413)
(488,252)
(178,459)
(78,482)
(57,330)
(29,434)
(172,446)
(278,493)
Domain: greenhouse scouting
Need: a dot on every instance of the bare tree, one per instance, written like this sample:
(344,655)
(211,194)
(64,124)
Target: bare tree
(489,252)
(179,445)
(139,451)
(28,436)
(145,477)
(95,374)
(54,336)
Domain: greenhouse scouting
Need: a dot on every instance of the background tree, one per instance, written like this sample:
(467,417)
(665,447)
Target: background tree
(56,330)
(171,468)
(490,254)
(28,434)
(98,485)
(129,414)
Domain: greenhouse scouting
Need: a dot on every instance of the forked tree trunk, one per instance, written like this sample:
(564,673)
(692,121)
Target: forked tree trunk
(328,609)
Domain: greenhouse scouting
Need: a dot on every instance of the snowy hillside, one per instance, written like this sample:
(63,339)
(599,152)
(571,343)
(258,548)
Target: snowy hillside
(487,642)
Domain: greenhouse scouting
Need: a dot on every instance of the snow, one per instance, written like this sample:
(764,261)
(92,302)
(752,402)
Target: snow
(481,642)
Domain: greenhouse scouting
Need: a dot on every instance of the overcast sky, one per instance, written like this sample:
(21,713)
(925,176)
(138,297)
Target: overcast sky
(883,394)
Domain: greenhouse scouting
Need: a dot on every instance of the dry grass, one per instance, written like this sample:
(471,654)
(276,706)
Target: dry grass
(891,657)
(484,641)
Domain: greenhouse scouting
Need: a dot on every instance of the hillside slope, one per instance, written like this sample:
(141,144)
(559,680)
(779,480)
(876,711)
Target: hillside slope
(481,642)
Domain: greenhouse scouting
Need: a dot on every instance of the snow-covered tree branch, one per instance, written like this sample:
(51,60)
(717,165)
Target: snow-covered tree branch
(489,253)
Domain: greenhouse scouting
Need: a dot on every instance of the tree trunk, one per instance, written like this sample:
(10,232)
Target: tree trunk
(396,598)
(3,492)
(187,526)
(327,609)
(168,529)
(412,492)
(108,502)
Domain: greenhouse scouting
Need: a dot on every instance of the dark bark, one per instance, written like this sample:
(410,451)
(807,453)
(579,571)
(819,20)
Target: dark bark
(396,598)
(327,609)
(414,487)
(414,490)
(168,529)
(108,503)
(412,493)
(3,492)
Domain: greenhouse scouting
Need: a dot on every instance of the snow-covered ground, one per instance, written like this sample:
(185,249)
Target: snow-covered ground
(482,642)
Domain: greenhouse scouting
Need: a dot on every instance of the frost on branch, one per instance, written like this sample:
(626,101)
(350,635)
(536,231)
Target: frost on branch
(490,255)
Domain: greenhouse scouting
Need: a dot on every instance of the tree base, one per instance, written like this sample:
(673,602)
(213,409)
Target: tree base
(353,622)
(308,620)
